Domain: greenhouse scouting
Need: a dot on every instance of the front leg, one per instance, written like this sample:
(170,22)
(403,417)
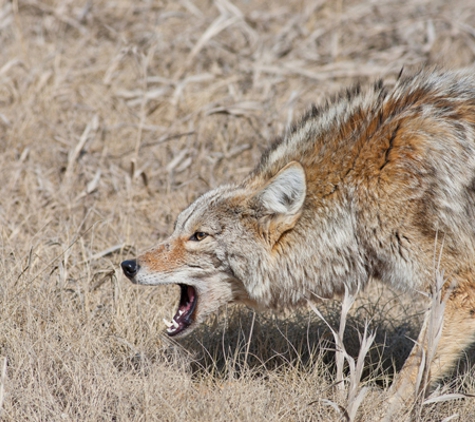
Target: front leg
(448,329)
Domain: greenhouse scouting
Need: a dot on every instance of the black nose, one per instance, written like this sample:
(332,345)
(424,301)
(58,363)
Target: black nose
(130,268)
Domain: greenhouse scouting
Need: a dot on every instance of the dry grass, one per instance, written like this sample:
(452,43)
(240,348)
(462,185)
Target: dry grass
(113,116)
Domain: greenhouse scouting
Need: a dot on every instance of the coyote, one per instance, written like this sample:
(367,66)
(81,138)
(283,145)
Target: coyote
(373,184)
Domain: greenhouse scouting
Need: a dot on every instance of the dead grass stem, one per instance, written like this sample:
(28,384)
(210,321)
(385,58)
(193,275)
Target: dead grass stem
(114,115)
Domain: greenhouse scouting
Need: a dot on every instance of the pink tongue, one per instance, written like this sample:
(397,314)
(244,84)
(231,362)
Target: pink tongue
(186,306)
(191,295)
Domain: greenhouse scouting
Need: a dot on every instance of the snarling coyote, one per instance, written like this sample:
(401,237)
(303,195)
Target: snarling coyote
(373,184)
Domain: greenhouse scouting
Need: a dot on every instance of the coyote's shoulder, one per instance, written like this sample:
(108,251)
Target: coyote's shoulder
(391,169)
(373,184)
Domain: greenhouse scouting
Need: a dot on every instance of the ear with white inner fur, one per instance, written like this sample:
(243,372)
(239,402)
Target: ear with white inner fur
(281,201)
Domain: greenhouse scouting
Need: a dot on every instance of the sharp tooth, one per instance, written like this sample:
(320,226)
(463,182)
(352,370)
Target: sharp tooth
(181,312)
(175,324)
(167,323)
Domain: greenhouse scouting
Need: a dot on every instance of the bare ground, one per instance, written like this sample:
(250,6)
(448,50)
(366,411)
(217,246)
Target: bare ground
(114,115)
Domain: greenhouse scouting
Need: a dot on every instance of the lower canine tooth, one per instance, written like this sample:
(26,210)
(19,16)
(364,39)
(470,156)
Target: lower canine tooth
(167,323)
(175,324)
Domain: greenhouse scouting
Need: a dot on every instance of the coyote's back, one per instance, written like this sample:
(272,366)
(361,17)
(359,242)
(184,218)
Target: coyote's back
(374,184)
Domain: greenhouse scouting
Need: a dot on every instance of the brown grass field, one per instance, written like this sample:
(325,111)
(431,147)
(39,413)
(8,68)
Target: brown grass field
(114,115)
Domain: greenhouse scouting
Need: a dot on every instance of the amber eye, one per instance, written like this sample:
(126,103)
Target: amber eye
(199,236)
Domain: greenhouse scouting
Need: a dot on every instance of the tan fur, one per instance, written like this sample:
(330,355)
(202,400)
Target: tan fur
(360,189)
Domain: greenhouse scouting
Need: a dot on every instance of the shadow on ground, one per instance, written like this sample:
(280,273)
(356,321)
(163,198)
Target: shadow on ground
(244,340)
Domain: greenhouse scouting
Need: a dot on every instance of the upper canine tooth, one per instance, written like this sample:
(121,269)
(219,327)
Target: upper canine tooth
(167,323)
(175,324)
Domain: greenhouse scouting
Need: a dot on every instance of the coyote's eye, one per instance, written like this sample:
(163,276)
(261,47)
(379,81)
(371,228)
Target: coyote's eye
(199,236)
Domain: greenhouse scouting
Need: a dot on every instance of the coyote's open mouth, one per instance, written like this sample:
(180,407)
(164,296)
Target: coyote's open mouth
(184,315)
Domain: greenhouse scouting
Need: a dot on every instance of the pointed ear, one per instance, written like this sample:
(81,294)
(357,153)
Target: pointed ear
(281,201)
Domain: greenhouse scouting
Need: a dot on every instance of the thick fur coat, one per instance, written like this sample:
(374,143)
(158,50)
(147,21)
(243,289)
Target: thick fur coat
(376,183)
